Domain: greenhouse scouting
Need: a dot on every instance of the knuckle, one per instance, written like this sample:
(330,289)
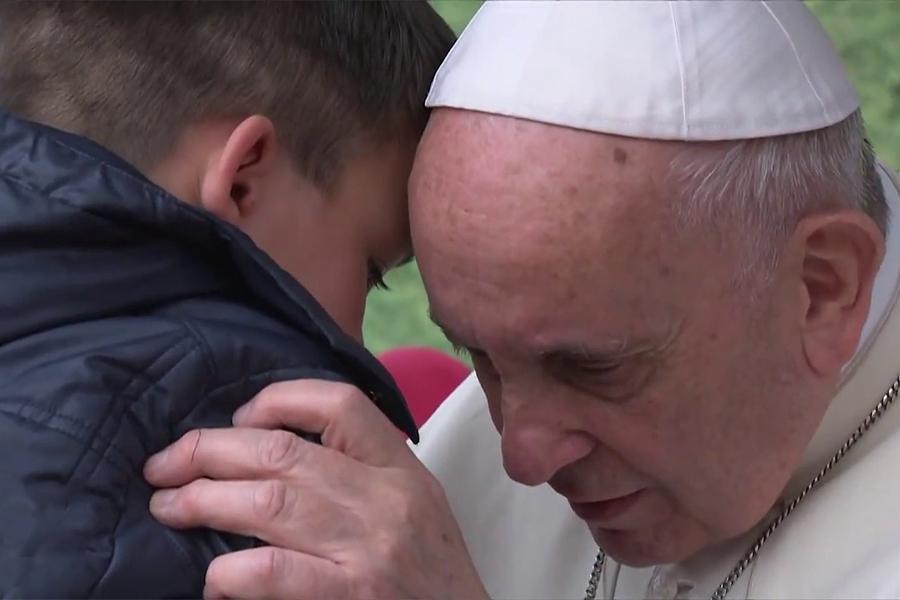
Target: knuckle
(400,503)
(271,500)
(190,498)
(361,586)
(266,396)
(406,507)
(214,572)
(348,399)
(279,450)
(431,487)
(187,446)
(395,552)
(412,498)
(272,565)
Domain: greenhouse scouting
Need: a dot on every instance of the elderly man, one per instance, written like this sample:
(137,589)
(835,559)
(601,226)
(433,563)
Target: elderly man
(662,236)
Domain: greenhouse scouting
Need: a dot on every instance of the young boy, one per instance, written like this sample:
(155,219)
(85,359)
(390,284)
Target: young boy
(169,172)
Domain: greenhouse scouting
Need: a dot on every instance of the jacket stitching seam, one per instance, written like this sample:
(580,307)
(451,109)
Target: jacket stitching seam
(113,537)
(91,437)
(126,471)
(125,392)
(100,452)
(145,187)
(140,398)
(204,347)
(297,372)
(301,371)
(25,184)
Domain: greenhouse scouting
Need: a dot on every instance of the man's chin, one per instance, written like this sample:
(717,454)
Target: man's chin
(624,548)
(637,548)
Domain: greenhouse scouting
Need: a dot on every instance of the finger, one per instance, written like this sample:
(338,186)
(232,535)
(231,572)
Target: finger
(269,510)
(275,573)
(223,505)
(235,453)
(345,417)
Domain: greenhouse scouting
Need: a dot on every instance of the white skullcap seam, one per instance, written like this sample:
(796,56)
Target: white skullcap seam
(790,40)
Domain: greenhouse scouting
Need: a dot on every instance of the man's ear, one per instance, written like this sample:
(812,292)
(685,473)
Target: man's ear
(840,254)
(234,182)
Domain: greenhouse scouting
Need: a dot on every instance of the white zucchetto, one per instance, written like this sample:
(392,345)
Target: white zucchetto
(690,70)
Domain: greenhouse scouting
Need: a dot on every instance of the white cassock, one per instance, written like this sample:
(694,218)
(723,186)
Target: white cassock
(646,70)
(843,541)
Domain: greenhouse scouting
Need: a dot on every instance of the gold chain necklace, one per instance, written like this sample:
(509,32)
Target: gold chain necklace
(722,591)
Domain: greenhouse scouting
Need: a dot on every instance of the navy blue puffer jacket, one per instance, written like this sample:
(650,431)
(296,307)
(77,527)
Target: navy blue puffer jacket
(128,318)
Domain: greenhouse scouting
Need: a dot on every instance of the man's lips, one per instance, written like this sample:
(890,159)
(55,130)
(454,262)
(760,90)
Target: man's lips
(605,510)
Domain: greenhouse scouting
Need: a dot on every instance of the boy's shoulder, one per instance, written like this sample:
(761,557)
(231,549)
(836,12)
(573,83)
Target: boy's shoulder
(133,383)
(84,404)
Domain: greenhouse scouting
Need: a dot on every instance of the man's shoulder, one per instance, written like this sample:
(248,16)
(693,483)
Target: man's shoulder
(844,540)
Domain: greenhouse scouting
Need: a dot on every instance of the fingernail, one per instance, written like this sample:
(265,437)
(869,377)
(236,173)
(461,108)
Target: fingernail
(155,462)
(241,413)
(160,501)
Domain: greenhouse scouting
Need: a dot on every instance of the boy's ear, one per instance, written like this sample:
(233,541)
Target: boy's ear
(234,182)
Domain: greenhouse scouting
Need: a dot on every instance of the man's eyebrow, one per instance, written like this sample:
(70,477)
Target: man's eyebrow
(610,352)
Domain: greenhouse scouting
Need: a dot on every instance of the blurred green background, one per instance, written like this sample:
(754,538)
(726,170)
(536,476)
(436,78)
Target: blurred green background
(867,34)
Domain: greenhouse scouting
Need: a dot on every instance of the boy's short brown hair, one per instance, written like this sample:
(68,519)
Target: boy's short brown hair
(132,75)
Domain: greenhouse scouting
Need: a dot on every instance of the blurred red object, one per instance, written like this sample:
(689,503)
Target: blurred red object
(425,376)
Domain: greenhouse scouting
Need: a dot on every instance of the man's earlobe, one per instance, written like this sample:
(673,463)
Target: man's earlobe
(235,180)
(842,251)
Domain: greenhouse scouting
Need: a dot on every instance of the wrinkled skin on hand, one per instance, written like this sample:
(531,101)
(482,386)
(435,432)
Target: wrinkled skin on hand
(357,517)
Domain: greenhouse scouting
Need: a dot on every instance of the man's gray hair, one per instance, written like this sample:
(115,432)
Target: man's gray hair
(757,190)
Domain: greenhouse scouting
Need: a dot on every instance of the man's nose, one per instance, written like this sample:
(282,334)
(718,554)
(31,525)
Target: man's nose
(536,446)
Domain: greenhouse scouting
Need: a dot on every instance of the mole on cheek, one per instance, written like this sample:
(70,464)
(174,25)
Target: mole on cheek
(620,156)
